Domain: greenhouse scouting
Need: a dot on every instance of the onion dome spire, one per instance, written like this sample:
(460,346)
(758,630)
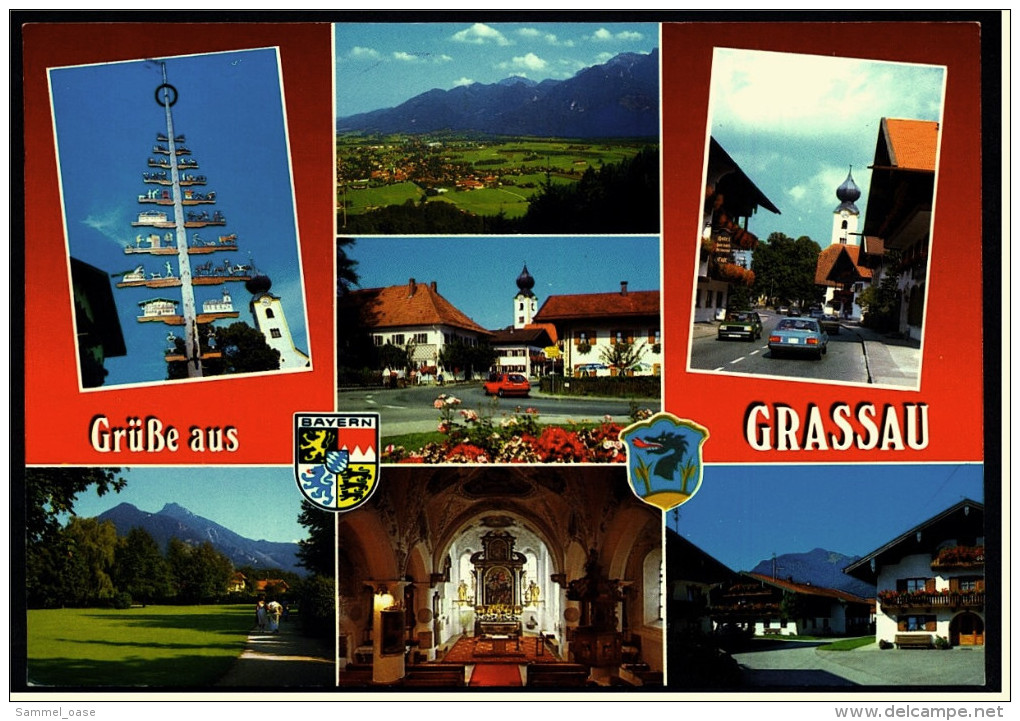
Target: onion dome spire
(525,282)
(848,193)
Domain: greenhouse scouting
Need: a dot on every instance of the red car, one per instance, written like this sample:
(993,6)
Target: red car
(507,384)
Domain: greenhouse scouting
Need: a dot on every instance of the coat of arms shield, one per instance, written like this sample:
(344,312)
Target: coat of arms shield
(664,460)
(336,458)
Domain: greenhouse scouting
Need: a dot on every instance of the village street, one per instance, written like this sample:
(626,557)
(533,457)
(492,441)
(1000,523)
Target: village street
(855,355)
(800,663)
(410,410)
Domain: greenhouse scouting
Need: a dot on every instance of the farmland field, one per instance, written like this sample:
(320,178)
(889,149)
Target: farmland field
(503,173)
(151,646)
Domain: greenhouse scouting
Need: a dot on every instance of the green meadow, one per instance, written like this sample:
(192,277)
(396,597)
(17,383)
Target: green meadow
(151,646)
(521,162)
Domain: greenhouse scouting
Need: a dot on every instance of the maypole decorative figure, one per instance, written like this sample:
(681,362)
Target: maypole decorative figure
(176,190)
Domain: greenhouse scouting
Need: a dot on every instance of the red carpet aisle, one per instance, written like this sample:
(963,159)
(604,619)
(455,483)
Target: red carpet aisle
(496,674)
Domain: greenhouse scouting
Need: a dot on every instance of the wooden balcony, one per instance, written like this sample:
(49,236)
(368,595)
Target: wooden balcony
(932,600)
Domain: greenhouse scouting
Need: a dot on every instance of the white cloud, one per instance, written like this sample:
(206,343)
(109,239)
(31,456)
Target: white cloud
(463,81)
(813,95)
(602,34)
(480,33)
(629,35)
(109,224)
(405,57)
(360,53)
(529,32)
(523,63)
(443,59)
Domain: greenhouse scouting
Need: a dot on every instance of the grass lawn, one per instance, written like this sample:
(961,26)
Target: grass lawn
(848,644)
(361,200)
(152,646)
(489,201)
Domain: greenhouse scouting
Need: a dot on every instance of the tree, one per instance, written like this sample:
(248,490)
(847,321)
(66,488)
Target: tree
(881,303)
(623,355)
(462,356)
(346,267)
(51,493)
(397,358)
(244,350)
(91,548)
(200,573)
(140,568)
(316,552)
(784,269)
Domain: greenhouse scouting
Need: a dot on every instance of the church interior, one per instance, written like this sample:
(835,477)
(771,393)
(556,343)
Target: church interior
(537,576)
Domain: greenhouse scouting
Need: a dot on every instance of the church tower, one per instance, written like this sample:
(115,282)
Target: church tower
(267,310)
(846,216)
(525,302)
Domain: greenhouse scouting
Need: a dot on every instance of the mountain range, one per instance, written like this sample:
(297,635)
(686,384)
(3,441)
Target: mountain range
(617,99)
(174,521)
(818,567)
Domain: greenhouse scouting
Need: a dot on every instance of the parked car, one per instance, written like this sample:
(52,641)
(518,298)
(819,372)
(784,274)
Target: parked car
(798,335)
(816,311)
(743,324)
(794,311)
(507,384)
(586,370)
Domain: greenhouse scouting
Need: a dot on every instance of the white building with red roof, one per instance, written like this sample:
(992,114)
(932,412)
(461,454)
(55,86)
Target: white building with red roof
(415,314)
(931,580)
(899,213)
(589,323)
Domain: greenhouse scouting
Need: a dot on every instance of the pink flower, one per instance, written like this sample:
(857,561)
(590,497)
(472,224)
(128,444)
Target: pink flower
(444,427)
(438,404)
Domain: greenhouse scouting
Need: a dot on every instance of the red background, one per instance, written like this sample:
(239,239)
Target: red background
(951,371)
(57,415)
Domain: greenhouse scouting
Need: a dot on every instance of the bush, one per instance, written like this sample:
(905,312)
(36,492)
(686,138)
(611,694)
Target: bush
(942,643)
(316,606)
(122,600)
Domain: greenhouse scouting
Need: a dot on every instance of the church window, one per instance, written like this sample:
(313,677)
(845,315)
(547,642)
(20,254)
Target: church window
(269,313)
(275,333)
(844,225)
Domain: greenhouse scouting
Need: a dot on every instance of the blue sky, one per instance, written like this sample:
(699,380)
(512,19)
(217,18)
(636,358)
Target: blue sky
(796,123)
(743,514)
(479,275)
(259,503)
(380,65)
(230,109)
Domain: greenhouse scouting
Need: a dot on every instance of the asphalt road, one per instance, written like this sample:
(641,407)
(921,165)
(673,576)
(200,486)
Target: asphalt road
(410,410)
(800,663)
(844,362)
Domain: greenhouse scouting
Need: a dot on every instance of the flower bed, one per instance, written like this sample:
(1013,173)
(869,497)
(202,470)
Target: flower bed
(517,437)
